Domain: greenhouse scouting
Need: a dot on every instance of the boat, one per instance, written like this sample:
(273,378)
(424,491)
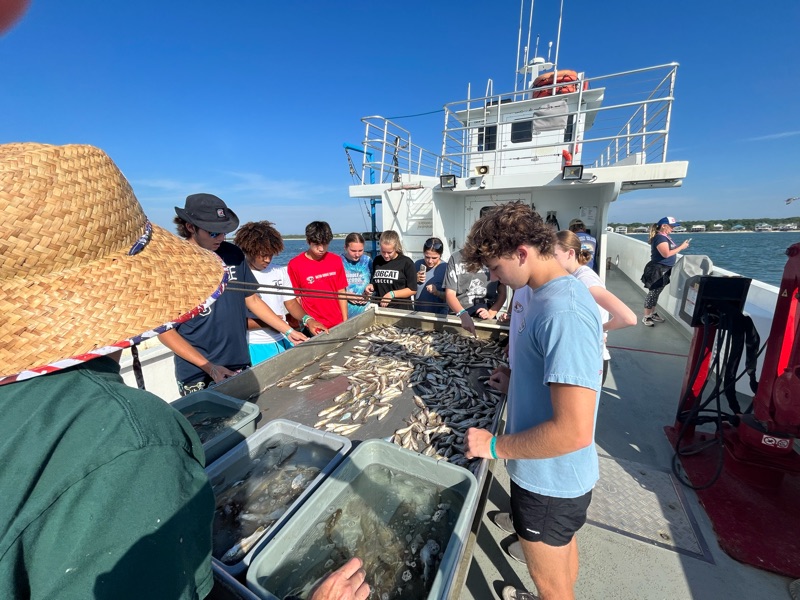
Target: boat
(548,144)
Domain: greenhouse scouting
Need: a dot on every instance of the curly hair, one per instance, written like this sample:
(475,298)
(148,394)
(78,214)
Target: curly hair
(318,232)
(180,226)
(567,241)
(502,230)
(259,238)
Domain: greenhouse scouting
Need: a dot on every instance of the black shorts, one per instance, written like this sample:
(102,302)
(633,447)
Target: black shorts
(547,519)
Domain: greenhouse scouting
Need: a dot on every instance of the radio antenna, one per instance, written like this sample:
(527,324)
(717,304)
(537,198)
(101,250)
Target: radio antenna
(558,42)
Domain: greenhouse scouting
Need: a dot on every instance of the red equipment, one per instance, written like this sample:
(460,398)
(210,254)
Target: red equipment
(751,497)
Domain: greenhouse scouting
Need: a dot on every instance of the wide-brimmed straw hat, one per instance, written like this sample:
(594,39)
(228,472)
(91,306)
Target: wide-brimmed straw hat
(82,271)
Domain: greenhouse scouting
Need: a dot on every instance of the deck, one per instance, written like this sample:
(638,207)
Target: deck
(647,537)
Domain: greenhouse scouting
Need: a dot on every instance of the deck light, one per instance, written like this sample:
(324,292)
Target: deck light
(572,173)
(447,182)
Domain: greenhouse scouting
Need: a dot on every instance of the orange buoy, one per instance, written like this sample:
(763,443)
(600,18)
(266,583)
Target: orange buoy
(564,76)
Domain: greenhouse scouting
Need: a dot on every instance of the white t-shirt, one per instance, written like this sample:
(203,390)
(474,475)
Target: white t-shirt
(273,276)
(590,279)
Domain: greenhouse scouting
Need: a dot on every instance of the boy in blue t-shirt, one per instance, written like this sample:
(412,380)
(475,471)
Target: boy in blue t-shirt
(553,393)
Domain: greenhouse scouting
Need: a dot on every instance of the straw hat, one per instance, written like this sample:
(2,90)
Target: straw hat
(82,271)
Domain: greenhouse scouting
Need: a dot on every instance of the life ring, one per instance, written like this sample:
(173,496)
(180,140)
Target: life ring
(564,76)
(567,156)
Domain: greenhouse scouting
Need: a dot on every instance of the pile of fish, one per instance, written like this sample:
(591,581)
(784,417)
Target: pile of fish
(248,507)
(445,371)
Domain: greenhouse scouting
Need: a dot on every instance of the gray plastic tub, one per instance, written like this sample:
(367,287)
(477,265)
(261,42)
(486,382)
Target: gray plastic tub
(232,420)
(316,455)
(386,502)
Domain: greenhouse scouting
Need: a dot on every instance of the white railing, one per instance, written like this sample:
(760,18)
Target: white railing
(632,124)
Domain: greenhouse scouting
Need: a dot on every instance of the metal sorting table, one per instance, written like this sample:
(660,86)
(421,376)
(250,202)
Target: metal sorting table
(257,385)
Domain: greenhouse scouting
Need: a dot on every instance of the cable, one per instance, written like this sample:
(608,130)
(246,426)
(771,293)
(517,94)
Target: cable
(432,112)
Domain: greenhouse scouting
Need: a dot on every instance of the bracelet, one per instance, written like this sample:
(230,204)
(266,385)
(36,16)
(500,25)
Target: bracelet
(287,332)
(492,449)
(461,312)
(391,294)
(305,319)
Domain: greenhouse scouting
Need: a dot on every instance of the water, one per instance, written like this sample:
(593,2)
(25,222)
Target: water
(760,256)
(292,248)
(209,419)
(398,524)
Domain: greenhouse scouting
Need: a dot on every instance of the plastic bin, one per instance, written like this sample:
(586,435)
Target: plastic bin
(238,420)
(387,484)
(318,449)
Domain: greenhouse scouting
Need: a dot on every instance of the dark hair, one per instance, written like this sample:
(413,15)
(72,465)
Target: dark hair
(258,238)
(434,244)
(180,226)
(353,237)
(501,231)
(567,240)
(318,232)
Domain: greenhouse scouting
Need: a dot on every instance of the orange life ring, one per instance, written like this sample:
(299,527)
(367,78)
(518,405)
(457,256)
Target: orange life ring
(567,156)
(564,76)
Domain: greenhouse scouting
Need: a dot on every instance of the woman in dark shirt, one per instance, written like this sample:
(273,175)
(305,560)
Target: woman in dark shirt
(656,273)
(394,279)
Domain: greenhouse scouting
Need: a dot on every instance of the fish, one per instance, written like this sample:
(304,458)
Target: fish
(243,546)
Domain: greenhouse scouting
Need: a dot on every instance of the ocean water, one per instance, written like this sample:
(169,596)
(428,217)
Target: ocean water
(760,255)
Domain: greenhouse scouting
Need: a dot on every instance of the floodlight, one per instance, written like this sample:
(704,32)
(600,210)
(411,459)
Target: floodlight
(572,173)
(447,182)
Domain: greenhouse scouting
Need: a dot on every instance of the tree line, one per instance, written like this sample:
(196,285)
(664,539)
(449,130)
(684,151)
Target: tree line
(728,224)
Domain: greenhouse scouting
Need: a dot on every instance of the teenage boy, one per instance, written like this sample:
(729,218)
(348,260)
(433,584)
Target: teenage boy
(213,346)
(319,277)
(553,394)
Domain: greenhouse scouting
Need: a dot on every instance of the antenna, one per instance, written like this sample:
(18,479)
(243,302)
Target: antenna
(536,49)
(558,42)
(519,43)
(549,47)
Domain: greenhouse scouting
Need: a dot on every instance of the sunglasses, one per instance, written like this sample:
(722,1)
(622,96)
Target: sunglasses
(212,234)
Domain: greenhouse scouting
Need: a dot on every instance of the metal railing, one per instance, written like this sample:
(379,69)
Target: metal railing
(631,124)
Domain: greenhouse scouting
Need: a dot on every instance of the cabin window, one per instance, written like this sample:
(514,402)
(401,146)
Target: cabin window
(487,138)
(570,127)
(521,131)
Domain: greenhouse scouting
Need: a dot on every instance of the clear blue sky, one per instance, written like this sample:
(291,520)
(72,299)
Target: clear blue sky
(252,100)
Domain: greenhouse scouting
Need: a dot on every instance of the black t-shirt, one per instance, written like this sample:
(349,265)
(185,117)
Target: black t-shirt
(396,274)
(220,332)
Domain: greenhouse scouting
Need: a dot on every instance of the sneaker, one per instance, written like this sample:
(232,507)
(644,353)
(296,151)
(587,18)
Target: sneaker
(515,551)
(657,318)
(512,593)
(648,321)
(504,522)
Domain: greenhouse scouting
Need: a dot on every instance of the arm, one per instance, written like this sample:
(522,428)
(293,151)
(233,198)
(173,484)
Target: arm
(176,342)
(343,302)
(621,315)
(265,314)
(663,249)
(452,301)
(491,312)
(296,310)
(570,429)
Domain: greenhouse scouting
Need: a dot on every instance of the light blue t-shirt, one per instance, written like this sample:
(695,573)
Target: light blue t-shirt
(358,275)
(559,340)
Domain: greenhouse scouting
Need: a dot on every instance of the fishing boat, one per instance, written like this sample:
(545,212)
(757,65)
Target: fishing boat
(547,143)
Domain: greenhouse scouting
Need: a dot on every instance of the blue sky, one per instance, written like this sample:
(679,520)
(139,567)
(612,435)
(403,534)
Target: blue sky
(252,100)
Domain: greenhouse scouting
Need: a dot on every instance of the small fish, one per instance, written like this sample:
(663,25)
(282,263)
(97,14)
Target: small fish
(242,547)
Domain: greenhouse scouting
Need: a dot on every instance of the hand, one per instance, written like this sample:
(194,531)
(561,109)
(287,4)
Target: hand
(685,244)
(296,337)
(420,276)
(346,583)
(219,373)
(386,299)
(356,299)
(431,289)
(484,313)
(477,443)
(467,323)
(315,327)
(504,318)
(368,291)
(499,379)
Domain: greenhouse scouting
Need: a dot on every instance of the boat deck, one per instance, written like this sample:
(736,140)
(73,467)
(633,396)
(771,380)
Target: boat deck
(647,537)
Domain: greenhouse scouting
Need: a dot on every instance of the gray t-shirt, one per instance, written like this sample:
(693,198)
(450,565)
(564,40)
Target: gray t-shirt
(470,288)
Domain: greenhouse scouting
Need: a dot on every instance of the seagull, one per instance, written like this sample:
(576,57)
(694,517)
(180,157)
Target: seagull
(790,200)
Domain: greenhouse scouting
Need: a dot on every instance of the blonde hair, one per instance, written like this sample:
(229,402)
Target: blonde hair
(390,236)
(567,240)
(654,229)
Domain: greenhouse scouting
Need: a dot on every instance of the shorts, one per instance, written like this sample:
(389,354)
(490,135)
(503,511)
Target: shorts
(547,519)
(261,352)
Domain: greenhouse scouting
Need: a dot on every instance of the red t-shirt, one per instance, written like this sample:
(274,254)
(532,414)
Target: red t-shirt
(326,275)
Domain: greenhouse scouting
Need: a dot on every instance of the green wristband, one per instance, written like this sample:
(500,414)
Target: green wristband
(391,294)
(492,449)
(461,312)
(305,319)
(287,332)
